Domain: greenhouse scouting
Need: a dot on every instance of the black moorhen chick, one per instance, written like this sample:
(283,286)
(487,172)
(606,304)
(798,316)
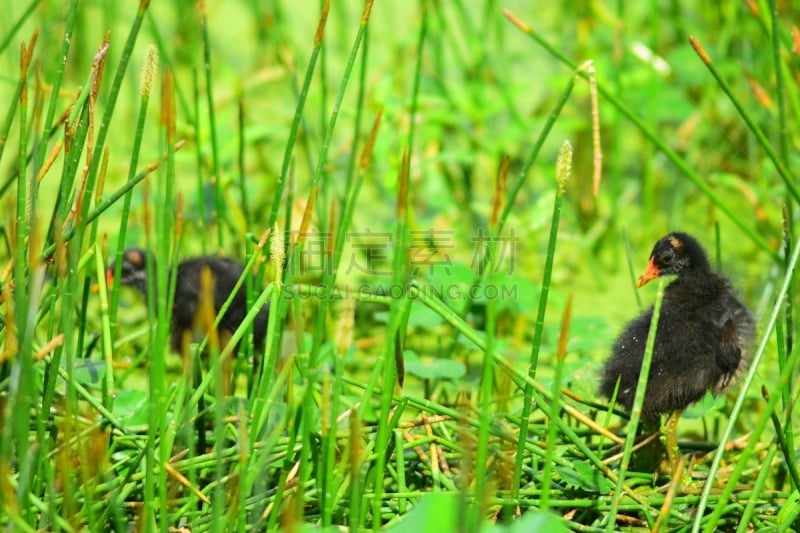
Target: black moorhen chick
(704,337)
(224,272)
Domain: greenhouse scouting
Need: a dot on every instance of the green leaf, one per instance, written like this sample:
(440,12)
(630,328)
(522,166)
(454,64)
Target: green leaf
(130,406)
(585,476)
(88,371)
(536,521)
(432,367)
(434,513)
(439,512)
(789,512)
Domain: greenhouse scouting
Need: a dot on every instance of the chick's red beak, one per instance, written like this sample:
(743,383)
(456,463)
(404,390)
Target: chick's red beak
(109,280)
(651,272)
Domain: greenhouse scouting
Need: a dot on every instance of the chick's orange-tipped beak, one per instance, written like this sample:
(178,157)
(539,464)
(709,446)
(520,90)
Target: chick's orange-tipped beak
(650,273)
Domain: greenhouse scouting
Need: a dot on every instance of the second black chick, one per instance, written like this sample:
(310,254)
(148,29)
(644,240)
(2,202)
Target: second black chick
(704,336)
(224,273)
